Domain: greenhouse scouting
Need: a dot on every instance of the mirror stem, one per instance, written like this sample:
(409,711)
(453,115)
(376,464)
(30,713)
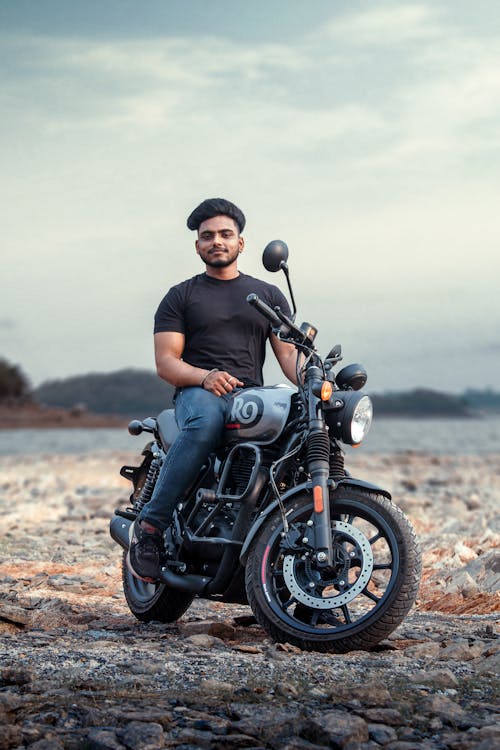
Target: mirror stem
(284,268)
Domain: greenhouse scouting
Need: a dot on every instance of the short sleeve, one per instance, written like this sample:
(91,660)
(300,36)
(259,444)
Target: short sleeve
(170,313)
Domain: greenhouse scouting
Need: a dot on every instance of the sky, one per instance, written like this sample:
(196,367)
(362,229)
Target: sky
(364,134)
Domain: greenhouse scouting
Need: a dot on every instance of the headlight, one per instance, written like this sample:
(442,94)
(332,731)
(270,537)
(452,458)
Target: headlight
(349,416)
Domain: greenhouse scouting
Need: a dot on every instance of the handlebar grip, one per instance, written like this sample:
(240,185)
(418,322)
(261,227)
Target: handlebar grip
(264,309)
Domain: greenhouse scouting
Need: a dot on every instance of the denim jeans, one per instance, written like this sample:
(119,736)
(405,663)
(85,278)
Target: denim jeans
(200,416)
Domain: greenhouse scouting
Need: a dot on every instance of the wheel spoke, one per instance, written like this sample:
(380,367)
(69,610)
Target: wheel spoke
(314,617)
(329,618)
(371,596)
(375,538)
(347,614)
(382,566)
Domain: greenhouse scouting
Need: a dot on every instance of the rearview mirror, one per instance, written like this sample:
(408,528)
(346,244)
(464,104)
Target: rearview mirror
(275,256)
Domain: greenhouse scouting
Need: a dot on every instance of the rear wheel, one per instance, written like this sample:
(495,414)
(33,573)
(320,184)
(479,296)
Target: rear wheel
(359,600)
(153,601)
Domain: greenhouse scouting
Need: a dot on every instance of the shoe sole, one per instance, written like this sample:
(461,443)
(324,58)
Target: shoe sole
(135,574)
(129,564)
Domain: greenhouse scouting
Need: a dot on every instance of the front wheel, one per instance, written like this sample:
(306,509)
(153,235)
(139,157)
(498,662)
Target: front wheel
(354,604)
(153,601)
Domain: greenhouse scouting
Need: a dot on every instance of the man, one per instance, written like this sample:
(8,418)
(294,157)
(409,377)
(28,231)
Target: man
(208,342)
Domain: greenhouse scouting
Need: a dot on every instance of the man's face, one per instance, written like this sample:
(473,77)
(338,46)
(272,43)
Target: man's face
(219,242)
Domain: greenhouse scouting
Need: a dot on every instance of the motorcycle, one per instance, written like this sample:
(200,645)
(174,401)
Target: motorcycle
(326,561)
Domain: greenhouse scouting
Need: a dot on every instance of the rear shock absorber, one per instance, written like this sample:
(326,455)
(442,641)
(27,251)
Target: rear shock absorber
(149,484)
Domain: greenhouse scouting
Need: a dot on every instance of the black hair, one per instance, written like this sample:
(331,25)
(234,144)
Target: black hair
(215,207)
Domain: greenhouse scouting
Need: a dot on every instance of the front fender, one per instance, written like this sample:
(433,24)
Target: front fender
(305,486)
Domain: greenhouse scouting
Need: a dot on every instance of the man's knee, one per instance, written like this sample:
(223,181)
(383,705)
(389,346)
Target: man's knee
(205,417)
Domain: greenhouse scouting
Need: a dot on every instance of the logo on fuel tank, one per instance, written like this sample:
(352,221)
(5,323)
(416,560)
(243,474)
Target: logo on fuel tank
(246,411)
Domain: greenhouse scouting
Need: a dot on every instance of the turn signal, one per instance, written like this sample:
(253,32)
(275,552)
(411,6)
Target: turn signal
(326,390)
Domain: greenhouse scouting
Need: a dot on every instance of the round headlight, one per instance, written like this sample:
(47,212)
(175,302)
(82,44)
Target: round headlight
(349,416)
(361,419)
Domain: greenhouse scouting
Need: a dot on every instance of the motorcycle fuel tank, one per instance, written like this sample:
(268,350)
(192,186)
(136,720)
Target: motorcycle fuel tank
(259,415)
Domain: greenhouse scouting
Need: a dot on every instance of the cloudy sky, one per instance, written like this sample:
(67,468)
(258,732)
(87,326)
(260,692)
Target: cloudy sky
(364,134)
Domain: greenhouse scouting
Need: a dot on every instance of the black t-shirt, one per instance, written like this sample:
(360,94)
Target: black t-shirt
(221,329)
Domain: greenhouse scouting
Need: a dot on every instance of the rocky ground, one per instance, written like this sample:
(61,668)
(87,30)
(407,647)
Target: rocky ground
(79,672)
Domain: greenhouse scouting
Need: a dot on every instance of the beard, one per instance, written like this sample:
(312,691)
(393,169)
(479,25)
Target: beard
(221,260)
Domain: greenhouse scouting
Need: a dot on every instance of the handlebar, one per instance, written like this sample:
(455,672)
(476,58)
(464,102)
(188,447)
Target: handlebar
(281,323)
(265,310)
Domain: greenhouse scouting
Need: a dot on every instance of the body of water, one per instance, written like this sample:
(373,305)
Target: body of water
(461,436)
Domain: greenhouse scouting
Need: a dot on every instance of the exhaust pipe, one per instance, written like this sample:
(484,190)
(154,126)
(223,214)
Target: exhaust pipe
(119,530)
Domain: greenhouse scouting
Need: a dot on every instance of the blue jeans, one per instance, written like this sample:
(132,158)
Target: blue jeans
(200,416)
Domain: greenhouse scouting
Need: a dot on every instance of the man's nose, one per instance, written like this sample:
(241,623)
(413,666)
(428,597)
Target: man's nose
(218,240)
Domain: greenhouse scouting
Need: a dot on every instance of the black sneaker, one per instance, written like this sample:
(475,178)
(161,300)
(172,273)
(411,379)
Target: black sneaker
(145,553)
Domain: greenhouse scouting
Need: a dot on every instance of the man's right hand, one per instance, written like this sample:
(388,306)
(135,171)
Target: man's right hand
(220,382)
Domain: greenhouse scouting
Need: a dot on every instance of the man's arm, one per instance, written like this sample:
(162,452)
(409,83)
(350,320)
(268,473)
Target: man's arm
(286,354)
(170,366)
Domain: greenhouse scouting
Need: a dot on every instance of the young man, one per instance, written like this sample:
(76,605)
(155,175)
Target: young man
(208,342)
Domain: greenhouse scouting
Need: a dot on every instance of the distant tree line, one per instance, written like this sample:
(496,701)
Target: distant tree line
(421,402)
(14,385)
(487,399)
(130,392)
(140,393)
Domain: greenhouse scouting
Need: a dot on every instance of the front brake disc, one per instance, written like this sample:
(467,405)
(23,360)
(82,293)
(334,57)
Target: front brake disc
(292,564)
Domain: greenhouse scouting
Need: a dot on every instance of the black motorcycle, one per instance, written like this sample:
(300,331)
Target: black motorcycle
(326,561)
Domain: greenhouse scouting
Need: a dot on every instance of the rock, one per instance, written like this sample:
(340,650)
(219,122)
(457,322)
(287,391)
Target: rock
(464,553)
(318,694)
(383,716)
(203,640)
(15,614)
(369,694)
(51,743)
(15,676)
(216,687)
(142,736)
(381,733)
(485,570)
(489,665)
(337,728)
(461,652)
(447,710)
(286,690)
(10,736)
(461,582)
(247,648)
(288,648)
(269,724)
(223,630)
(427,650)
(99,738)
(489,732)
(300,744)
(438,678)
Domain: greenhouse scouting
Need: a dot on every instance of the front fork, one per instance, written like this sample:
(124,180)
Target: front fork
(318,460)
(319,469)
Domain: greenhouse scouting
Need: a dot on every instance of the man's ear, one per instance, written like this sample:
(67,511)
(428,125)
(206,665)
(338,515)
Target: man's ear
(241,242)
(196,246)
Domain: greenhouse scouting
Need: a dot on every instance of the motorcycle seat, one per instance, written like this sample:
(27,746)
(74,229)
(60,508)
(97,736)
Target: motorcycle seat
(167,427)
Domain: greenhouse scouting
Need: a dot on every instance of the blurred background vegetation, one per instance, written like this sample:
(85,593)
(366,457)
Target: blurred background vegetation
(140,393)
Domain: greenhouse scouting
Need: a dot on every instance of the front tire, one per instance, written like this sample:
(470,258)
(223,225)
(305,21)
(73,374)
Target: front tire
(153,601)
(356,604)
